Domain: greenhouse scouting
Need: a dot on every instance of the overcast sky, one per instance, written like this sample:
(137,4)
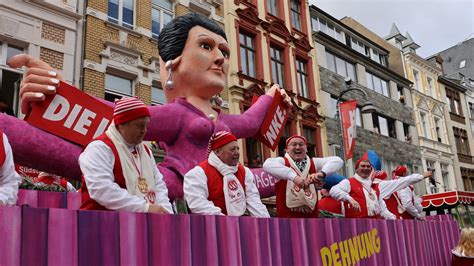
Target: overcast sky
(435,25)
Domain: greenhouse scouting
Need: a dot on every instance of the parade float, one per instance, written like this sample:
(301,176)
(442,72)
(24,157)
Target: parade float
(47,228)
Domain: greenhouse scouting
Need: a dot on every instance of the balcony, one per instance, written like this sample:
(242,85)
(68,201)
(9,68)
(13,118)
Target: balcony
(463,158)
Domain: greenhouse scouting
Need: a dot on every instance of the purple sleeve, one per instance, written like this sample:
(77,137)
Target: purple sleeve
(35,148)
(247,124)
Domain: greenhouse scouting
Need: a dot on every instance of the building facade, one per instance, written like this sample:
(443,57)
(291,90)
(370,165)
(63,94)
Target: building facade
(458,66)
(391,130)
(271,43)
(49,30)
(461,136)
(430,109)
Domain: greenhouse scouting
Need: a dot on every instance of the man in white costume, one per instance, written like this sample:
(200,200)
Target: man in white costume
(296,195)
(119,171)
(9,178)
(221,185)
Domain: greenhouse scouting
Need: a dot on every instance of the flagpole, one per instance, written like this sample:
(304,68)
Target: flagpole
(367,107)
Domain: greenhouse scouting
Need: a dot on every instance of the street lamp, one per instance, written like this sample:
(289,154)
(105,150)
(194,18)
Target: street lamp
(368,107)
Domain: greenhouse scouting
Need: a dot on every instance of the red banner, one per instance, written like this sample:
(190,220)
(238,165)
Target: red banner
(26,171)
(348,119)
(71,114)
(274,122)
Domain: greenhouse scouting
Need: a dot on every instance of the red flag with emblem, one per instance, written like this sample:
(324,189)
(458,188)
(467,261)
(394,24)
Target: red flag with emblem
(348,119)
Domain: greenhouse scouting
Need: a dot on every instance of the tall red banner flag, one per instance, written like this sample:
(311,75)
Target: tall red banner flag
(348,118)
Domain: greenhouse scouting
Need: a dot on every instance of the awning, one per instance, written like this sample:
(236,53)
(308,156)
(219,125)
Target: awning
(447,200)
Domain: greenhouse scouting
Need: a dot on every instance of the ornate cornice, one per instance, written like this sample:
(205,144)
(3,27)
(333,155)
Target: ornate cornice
(278,28)
(249,14)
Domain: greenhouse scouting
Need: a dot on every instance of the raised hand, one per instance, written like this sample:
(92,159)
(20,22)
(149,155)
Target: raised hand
(39,79)
(284,95)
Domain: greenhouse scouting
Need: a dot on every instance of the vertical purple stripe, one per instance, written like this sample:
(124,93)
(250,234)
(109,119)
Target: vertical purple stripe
(133,238)
(169,241)
(264,243)
(27,197)
(10,235)
(34,231)
(203,240)
(228,239)
(74,200)
(249,241)
(273,225)
(298,240)
(62,237)
(315,239)
(99,240)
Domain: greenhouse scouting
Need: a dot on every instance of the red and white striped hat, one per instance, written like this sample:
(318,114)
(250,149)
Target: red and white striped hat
(296,137)
(219,139)
(129,108)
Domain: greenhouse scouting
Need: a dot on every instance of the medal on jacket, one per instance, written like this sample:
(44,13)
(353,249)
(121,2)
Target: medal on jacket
(371,196)
(142,185)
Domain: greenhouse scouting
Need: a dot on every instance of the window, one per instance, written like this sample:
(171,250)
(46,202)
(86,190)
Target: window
(384,126)
(375,56)
(278,65)
(358,46)
(462,143)
(358,117)
(340,66)
(377,84)
(157,95)
(310,135)
(424,126)
(462,63)
(161,14)
(322,25)
(116,87)
(406,132)
(471,110)
(392,132)
(438,130)
(247,55)
(296,14)
(454,102)
(401,95)
(121,12)
(272,7)
(286,134)
(430,165)
(416,77)
(430,86)
(302,76)
(333,106)
(9,80)
(445,176)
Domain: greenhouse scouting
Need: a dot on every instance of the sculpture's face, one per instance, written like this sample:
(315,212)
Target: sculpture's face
(202,69)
